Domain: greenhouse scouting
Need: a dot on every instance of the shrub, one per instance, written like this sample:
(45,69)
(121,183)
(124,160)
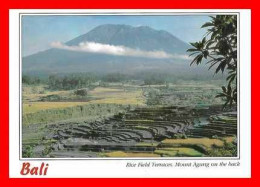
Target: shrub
(53,97)
(47,150)
(81,92)
(228,150)
(27,151)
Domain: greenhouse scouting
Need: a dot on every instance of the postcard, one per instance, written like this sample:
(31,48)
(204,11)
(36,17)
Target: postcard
(130,93)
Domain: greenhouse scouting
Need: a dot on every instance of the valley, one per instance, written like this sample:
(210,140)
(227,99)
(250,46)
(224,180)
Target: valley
(181,119)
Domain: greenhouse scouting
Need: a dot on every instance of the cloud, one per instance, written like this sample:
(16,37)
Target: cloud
(117,50)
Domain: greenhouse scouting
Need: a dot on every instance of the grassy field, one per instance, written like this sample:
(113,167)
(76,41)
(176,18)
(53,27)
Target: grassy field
(99,102)
(189,147)
(198,146)
(88,112)
(206,142)
(117,96)
(179,151)
(99,95)
(128,154)
(34,107)
(33,93)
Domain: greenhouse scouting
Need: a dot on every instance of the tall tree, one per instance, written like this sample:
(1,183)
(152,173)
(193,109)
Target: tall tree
(219,49)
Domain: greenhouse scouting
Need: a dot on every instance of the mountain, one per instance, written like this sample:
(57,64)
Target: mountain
(141,38)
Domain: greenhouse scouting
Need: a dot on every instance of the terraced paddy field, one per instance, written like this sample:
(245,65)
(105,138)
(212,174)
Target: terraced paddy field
(182,119)
(140,132)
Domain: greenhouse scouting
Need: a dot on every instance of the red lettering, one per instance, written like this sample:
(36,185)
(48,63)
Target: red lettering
(34,171)
(45,170)
(25,169)
(42,170)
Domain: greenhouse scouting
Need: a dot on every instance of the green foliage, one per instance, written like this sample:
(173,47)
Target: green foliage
(114,77)
(154,79)
(71,81)
(27,151)
(228,93)
(103,84)
(81,92)
(219,49)
(153,97)
(52,97)
(47,150)
(30,80)
(228,150)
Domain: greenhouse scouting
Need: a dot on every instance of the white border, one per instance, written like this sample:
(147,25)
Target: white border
(123,12)
(115,167)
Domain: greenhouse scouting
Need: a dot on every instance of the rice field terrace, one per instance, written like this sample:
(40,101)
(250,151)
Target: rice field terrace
(129,121)
(142,132)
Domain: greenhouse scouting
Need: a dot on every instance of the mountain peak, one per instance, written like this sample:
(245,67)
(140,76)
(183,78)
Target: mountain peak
(139,37)
(121,26)
(112,27)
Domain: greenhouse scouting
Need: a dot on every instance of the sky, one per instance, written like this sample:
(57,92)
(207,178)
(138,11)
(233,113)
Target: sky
(40,31)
